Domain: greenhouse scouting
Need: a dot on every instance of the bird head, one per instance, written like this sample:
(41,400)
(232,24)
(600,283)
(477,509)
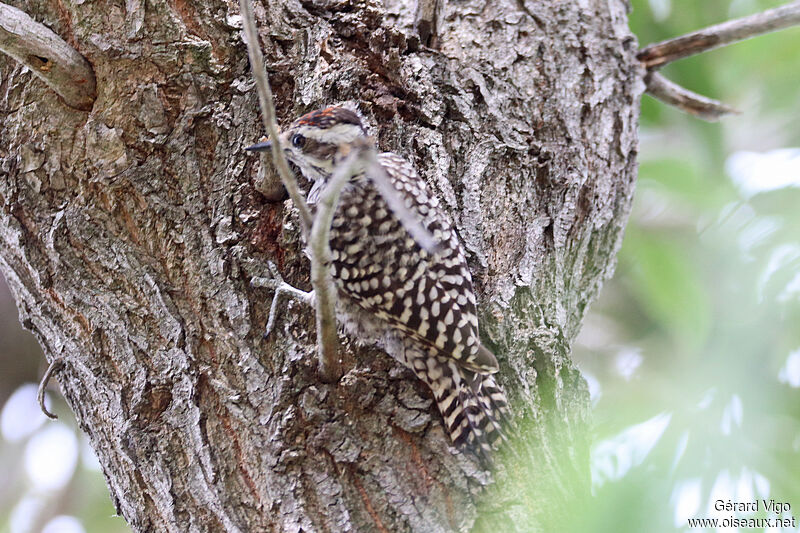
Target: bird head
(316,141)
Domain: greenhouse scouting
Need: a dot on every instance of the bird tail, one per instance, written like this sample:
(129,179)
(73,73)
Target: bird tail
(473,406)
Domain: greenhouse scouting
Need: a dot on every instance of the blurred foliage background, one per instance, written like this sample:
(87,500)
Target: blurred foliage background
(692,352)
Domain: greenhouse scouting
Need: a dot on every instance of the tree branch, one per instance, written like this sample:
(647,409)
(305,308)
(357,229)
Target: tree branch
(324,290)
(48,56)
(268,114)
(56,365)
(377,174)
(659,54)
(673,94)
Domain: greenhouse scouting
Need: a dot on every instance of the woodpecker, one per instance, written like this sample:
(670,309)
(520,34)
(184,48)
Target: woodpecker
(422,302)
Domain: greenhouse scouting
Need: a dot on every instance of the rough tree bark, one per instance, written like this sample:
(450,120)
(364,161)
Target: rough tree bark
(130,233)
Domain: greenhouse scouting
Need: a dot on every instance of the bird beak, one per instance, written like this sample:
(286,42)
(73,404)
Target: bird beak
(262,146)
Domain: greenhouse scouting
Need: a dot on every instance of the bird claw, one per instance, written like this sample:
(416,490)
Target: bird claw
(275,282)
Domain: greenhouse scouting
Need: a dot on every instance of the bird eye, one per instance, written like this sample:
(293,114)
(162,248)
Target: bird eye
(298,140)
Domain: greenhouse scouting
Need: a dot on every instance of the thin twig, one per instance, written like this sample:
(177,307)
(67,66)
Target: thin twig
(673,94)
(48,56)
(268,114)
(48,374)
(319,244)
(324,293)
(409,220)
(659,54)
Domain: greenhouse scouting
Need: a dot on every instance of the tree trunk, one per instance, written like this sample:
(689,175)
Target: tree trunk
(130,233)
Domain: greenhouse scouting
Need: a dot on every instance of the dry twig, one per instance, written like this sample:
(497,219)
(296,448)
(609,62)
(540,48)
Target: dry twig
(48,374)
(324,292)
(657,55)
(408,219)
(673,94)
(268,113)
(319,244)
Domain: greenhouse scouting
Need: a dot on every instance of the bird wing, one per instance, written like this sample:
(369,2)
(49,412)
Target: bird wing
(379,265)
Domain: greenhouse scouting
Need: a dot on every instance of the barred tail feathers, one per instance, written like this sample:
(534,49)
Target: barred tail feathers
(473,407)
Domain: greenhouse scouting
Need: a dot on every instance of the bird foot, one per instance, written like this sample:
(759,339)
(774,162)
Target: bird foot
(276,283)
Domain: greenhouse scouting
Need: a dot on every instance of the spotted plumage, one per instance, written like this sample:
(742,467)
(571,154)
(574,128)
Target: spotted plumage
(383,275)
